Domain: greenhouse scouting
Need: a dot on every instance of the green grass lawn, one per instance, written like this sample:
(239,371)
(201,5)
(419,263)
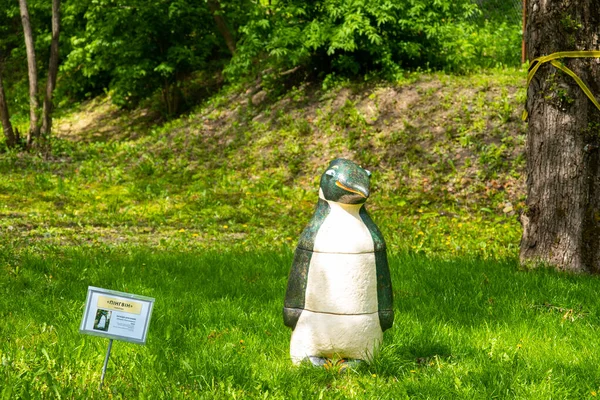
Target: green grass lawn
(203,213)
(464,328)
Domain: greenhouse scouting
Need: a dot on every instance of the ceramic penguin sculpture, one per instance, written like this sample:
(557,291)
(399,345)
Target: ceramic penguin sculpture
(339,294)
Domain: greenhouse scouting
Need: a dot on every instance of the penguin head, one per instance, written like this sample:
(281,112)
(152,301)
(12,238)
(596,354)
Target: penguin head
(345,182)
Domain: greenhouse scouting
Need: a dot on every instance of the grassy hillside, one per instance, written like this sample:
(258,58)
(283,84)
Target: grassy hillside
(242,170)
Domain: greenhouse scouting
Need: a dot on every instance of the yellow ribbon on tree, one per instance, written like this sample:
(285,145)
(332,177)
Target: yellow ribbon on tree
(552,58)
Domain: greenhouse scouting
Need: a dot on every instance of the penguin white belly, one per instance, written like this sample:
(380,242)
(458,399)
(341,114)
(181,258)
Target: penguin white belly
(340,316)
(342,283)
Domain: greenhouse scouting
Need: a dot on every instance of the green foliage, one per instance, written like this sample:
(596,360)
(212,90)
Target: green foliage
(357,37)
(467,46)
(173,51)
(501,10)
(135,48)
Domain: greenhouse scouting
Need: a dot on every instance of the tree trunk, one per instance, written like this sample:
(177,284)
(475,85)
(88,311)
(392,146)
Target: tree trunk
(11,140)
(215,9)
(52,71)
(34,129)
(561,226)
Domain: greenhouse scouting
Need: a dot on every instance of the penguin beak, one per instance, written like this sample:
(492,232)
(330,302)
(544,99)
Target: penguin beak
(359,190)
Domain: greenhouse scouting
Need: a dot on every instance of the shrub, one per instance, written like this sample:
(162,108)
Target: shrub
(357,37)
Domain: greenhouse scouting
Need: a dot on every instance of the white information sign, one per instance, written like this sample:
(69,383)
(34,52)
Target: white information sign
(116,315)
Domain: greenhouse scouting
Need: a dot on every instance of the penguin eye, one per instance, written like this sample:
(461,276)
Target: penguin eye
(368,173)
(330,172)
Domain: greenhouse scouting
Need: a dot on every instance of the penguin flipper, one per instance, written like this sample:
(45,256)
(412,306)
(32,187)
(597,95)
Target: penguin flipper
(385,295)
(378,240)
(291,316)
(307,238)
(386,319)
(296,288)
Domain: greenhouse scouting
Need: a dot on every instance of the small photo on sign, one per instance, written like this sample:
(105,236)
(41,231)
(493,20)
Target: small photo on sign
(102,320)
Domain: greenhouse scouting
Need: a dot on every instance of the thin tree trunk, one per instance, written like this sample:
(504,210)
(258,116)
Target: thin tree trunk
(215,9)
(561,225)
(32,71)
(166,96)
(11,140)
(52,71)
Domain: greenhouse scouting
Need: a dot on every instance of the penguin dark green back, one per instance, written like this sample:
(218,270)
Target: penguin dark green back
(339,280)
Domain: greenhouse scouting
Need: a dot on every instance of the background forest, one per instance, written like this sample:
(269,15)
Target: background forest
(175,53)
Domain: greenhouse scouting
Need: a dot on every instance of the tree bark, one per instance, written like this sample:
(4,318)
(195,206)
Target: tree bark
(11,140)
(215,9)
(52,71)
(561,225)
(32,71)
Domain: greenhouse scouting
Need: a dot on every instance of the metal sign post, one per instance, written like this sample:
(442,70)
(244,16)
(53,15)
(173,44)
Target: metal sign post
(105,363)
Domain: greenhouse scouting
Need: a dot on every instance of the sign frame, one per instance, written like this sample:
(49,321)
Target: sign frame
(143,304)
